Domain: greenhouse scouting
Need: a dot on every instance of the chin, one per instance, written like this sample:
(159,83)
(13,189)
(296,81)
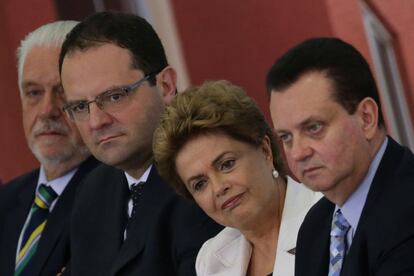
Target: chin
(109,158)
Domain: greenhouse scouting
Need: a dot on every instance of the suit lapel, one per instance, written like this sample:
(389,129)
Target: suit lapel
(153,192)
(320,251)
(234,255)
(58,219)
(312,254)
(383,176)
(13,223)
(298,201)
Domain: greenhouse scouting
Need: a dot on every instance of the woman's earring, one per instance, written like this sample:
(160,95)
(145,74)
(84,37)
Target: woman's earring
(275,173)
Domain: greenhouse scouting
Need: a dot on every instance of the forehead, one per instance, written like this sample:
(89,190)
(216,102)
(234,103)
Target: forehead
(41,65)
(90,72)
(310,96)
(204,148)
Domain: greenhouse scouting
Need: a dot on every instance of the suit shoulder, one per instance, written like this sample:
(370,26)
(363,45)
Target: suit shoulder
(102,174)
(20,182)
(319,212)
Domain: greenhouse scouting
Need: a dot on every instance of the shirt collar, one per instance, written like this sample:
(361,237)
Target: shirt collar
(58,184)
(131,180)
(352,208)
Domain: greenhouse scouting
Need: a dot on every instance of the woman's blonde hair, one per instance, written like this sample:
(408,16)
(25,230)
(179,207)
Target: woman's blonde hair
(214,107)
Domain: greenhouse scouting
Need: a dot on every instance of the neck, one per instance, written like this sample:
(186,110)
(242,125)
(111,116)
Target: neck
(340,195)
(54,171)
(264,236)
(137,171)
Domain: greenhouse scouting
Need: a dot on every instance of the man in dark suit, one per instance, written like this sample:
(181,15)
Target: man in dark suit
(27,248)
(127,221)
(326,111)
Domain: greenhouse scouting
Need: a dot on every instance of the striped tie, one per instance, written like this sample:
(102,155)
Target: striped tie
(31,236)
(338,243)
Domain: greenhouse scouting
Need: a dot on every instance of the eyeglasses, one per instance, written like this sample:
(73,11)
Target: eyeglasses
(110,101)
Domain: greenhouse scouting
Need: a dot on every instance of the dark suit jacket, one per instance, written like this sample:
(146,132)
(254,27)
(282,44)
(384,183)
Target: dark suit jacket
(16,198)
(164,238)
(383,243)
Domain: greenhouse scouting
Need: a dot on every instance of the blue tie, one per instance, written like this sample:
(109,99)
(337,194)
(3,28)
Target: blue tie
(338,243)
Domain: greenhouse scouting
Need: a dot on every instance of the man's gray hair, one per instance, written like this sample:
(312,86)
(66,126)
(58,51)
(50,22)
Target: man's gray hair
(48,35)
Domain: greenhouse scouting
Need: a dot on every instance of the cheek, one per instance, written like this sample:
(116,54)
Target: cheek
(29,120)
(337,151)
(205,202)
(289,160)
(84,132)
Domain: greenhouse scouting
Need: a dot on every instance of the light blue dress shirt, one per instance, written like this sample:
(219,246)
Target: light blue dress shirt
(352,208)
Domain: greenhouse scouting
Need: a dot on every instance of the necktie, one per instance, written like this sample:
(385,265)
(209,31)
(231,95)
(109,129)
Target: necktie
(338,243)
(31,236)
(136,191)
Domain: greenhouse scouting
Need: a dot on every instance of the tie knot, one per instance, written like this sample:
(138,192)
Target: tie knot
(340,225)
(136,191)
(136,188)
(45,196)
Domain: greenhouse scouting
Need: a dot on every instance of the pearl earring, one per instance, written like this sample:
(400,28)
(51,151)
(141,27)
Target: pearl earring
(275,173)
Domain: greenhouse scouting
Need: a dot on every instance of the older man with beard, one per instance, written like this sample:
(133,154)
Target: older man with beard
(35,207)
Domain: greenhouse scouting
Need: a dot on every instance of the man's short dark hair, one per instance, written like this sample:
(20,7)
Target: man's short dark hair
(124,30)
(341,62)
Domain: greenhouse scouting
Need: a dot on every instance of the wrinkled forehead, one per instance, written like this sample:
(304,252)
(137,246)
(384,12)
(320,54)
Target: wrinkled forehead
(41,66)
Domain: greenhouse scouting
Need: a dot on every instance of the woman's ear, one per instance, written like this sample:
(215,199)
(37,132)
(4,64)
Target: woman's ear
(167,83)
(367,111)
(267,149)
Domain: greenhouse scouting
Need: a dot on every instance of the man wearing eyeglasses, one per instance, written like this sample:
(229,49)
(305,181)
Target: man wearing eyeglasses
(35,207)
(127,221)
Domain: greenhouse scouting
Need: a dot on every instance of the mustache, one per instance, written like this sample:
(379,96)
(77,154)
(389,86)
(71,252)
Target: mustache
(47,125)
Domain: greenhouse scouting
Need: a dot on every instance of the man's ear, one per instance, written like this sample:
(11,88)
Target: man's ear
(367,111)
(167,83)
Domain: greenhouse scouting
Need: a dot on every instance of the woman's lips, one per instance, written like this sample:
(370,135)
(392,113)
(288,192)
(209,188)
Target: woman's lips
(232,202)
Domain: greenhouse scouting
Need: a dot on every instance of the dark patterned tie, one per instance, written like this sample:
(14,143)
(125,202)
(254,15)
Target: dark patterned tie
(38,217)
(136,192)
(340,227)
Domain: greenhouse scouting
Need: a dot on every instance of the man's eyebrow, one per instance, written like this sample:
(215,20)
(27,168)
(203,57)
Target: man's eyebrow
(26,84)
(307,121)
(299,125)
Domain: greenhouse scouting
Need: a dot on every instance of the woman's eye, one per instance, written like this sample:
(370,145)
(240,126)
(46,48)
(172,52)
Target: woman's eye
(198,185)
(227,164)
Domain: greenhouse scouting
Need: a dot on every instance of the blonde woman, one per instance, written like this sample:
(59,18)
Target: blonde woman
(215,147)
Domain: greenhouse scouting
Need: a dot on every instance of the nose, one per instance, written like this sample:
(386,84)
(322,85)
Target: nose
(300,150)
(97,117)
(220,187)
(51,105)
